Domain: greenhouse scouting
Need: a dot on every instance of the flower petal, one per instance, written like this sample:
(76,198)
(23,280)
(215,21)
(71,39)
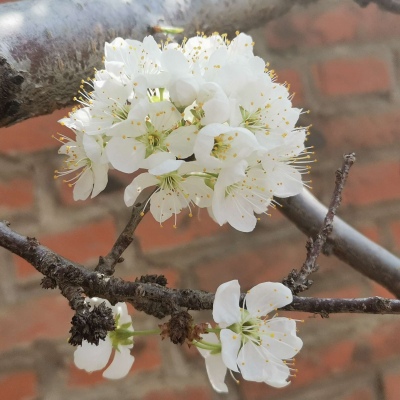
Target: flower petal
(121,364)
(91,357)
(278,335)
(230,342)
(267,296)
(181,141)
(216,371)
(140,183)
(226,309)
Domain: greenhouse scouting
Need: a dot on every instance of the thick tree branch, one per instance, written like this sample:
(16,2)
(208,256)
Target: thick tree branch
(349,245)
(44,57)
(155,299)
(298,281)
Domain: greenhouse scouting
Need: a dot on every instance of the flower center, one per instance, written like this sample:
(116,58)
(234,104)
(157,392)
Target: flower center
(220,148)
(251,120)
(170,181)
(153,140)
(121,335)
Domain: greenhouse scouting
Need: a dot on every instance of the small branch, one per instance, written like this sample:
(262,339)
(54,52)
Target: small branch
(107,264)
(324,307)
(346,243)
(298,281)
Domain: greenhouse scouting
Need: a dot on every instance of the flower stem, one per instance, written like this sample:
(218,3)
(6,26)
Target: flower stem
(146,332)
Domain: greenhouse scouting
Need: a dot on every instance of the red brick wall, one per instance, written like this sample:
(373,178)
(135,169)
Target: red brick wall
(343,62)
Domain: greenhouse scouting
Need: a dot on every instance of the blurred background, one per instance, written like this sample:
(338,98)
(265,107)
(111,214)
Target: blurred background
(343,63)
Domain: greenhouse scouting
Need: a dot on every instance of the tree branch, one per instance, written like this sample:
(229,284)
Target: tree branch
(107,264)
(155,299)
(44,57)
(298,281)
(346,243)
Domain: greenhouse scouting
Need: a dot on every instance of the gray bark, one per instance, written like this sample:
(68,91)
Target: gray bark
(48,46)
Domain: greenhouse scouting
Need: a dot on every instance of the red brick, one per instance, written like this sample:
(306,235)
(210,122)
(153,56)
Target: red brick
(32,135)
(42,318)
(361,131)
(16,194)
(376,24)
(293,79)
(371,232)
(392,386)
(309,29)
(18,386)
(82,244)
(340,77)
(384,341)
(195,393)
(264,263)
(323,362)
(378,290)
(154,237)
(395,230)
(348,292)
(358,394)
(373,183)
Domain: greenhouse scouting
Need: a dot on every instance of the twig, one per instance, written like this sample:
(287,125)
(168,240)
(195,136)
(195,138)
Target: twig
(298,281)
(346,243)
(107,264)
(324,307)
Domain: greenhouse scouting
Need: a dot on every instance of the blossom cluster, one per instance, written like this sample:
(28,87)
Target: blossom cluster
(204,122)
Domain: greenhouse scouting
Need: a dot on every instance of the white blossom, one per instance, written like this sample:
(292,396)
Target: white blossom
(93,358)
(258,347)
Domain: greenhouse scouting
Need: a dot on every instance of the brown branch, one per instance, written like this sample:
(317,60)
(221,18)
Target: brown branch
(155,299)
(107,264)
(346,243)
(324,307)
(298,281)
(44,57)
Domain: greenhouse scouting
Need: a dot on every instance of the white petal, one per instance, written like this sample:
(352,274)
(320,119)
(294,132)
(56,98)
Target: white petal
(125,155)
(141,182)
(166,167)
(91,357)
(100,177)
(164,203)
(181,141)
(280,338)
(84,185)
(121,364)
(122,310)
(226,309)
(216,371)
(266,297)
(230,342)
(240,215)
(164,115)
(256,364)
